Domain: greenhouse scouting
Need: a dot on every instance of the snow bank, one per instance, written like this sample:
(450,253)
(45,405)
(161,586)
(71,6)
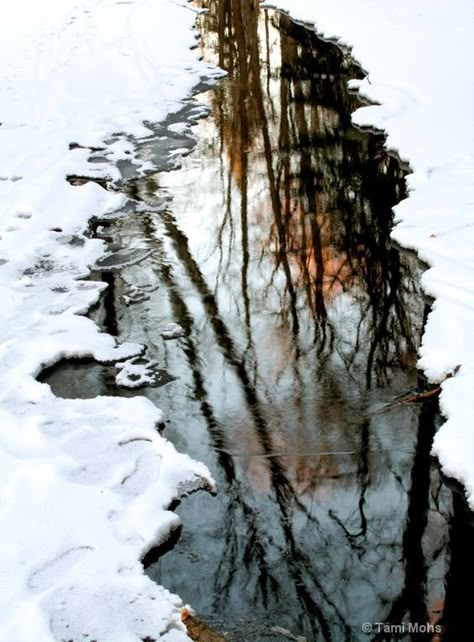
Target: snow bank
(419,55)
(84,484)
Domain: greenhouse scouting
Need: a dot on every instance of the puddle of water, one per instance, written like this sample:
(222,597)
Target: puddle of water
(299,322)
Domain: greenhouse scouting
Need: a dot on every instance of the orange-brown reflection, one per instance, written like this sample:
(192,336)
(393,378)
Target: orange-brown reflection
(286,111)
(304,308)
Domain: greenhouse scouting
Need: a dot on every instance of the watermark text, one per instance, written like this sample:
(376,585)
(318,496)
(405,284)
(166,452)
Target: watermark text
(400,629)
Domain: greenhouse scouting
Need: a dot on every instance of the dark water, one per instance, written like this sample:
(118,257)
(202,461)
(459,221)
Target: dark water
(270,247)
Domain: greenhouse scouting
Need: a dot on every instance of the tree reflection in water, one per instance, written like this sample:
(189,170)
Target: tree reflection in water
(301,321)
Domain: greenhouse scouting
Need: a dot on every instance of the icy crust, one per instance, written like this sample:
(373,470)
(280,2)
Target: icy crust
(418,56)
(84,484)
(84,498)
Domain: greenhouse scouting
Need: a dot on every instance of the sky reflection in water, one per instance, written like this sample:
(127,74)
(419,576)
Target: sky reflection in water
(301,322)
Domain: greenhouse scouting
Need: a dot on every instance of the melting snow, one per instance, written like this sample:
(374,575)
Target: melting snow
(84,484)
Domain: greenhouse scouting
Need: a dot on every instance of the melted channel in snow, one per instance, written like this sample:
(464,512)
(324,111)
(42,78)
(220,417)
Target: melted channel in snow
(84,484)
(419,60)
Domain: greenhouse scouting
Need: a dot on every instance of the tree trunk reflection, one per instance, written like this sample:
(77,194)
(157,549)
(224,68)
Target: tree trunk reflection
(301,322)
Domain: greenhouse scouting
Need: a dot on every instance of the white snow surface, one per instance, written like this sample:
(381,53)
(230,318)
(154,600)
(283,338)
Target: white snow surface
(419,57)
(84,484)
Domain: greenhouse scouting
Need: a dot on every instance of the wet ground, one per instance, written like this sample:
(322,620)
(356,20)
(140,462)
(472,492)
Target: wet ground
(299,323)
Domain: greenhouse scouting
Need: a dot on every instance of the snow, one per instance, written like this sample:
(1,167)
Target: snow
(172,331)
(84,484)
(418,56)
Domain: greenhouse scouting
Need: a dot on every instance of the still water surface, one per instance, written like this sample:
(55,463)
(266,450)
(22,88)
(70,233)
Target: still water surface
(270,247)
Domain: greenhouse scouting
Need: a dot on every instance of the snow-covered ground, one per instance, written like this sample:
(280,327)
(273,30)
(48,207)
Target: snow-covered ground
(84,484)
(419,58)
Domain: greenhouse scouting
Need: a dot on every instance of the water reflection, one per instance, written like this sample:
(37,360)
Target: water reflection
(301,322)
(301,319)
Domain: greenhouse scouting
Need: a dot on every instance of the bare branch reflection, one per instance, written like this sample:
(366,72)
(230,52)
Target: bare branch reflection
(301,323)
(305,320)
